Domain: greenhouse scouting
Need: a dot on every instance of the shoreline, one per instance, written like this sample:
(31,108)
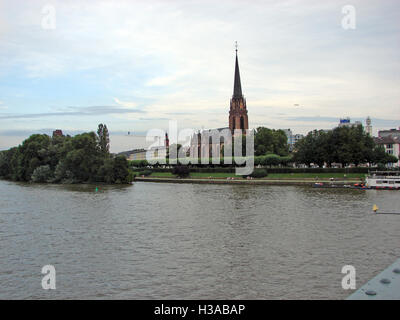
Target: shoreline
(242,181)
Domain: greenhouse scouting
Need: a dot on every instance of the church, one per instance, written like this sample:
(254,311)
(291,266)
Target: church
(238,119)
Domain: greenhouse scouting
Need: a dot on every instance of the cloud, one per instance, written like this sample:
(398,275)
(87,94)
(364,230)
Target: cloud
(153,119)
(155,60)
(28,132)
(125,103)
(167,80)
(375,121)
(74,111)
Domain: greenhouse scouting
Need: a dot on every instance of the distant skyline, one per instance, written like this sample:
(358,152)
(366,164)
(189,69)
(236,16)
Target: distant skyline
(134,65)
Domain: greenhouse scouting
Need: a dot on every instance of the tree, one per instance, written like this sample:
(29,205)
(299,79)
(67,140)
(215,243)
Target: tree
(271,160)
(390,158)
(85,157)
(120,168)
(31,154)
(270,141)
(304,149)
(312,148)
(259,173)
(380,157)
(62,174)
(105,172)
(379,154)
(343,145)
(42,174)
(181,171)
(6,163)
(103,138)
(41,158)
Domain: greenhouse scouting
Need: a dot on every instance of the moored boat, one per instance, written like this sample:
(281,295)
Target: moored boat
(386,180)
(359,186)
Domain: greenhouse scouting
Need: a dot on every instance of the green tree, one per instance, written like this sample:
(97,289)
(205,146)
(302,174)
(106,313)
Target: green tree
(390,158)
(305,149)
(6,163)
(81,158)
(103,139)
(312,148)
(30,155)
(181,171)
(380,157)
(120,168)
(345,145)
(270,141)
(271,160)
(85,157)
(42,174)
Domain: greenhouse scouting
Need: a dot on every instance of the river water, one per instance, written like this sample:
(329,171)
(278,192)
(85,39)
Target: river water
(188,241)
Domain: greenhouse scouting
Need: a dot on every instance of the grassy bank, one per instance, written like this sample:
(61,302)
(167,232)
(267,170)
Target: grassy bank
(282,176)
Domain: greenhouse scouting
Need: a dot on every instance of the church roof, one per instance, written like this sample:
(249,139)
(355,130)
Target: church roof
(237,87)
(209,130)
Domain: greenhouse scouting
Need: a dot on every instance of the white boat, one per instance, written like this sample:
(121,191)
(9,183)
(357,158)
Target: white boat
(389,180)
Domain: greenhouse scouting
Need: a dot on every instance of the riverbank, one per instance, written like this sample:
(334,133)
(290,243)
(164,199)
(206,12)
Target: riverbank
(264,181)
(300,176)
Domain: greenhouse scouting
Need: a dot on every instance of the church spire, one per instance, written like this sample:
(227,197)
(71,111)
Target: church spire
(237,87)
(238,118)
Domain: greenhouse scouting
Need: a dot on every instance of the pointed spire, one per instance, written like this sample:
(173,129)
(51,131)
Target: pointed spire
(237,87)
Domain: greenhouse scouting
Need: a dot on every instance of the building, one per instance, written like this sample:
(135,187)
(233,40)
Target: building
(368,126)
(166,142)
(154,153)
(345,122)
(238,119)
(292,138)
(199,148)
(391,145)
(387,133)
(390,139)
(137,154)
(58,133)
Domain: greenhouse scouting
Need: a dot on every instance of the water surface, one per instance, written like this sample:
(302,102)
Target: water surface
(189,241)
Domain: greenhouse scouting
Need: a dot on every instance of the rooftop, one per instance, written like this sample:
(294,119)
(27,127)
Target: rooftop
(387,140)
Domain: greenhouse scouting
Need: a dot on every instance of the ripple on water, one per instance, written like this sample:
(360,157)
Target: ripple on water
(172,241)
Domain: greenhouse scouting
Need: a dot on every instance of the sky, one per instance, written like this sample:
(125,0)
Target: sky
(136,65)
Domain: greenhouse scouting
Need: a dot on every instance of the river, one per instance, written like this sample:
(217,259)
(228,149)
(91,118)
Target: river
(192,241)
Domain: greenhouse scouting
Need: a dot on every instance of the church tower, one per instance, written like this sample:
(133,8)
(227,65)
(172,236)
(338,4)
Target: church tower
(368,127)
(238,111)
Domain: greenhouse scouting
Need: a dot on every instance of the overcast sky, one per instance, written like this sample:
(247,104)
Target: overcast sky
(134,65)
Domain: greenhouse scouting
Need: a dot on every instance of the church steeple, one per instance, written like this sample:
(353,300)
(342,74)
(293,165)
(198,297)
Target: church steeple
(238,111)
(237,87)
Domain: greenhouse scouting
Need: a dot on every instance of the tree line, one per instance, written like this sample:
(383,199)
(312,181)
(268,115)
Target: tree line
(64,159)
(344,145)
(265,160)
